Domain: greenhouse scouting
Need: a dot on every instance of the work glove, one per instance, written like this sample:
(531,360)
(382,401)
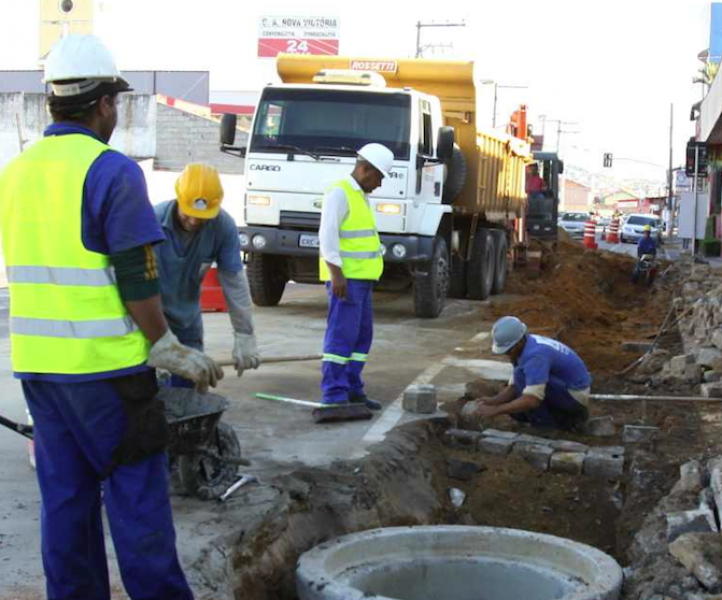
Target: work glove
(169,354)
(245,352)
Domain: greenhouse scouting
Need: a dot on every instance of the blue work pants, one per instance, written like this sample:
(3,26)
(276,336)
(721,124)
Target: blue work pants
(76,428)
(349,333)
(559,409)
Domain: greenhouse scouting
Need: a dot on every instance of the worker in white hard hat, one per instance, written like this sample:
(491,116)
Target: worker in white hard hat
(199,233)
(350,263)
(86,326)
(550,384)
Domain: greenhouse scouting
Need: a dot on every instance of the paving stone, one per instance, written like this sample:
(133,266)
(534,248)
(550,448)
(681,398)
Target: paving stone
(616,451)
(711,390)
(495,445)
(462,437)
(599,464)
(498,433)
(701,555)
(709,357)
(634,434)
(714,467)
(678,364)
(716,338)
(571,463)
(712,376)
(693,373)
(600,427)
(420,399)
(687,521)
(537,455)
(691,477)
(567,446)
(533,439)
(707,503)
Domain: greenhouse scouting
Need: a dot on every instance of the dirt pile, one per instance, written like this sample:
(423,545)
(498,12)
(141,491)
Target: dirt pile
(585,299)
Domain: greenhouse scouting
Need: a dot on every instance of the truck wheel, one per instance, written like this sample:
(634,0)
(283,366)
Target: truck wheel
(480,274)
(266,278)
(457,277)
(430,289)
(501,264)
(456,170)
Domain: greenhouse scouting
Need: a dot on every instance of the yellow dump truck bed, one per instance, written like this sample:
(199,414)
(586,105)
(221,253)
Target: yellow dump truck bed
(494,187)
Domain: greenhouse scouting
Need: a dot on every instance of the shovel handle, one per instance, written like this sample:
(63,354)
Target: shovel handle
(268,360)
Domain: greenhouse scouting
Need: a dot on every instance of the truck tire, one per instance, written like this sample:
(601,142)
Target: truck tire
(431,288)
(480,272)
(501,264)
(266,278)
(456,170)
(457,277)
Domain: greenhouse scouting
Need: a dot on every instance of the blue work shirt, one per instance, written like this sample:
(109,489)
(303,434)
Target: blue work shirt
(182,264)
(116,215)
(646,245)
(543,357)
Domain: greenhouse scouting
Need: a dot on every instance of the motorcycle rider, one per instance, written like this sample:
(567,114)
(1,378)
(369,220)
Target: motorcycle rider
(646,246)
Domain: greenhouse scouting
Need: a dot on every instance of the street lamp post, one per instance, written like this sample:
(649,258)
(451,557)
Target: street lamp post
(497,86)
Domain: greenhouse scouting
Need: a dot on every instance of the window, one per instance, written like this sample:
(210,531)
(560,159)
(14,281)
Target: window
(641,221)
(425,144)
(331,121)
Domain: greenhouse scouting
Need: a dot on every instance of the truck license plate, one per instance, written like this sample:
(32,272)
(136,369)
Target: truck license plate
(308,241)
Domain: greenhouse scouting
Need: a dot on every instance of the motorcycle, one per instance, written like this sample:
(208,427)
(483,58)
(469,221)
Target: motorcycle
(646,270)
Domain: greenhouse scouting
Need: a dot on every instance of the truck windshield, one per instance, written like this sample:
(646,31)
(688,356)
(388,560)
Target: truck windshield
(331,121)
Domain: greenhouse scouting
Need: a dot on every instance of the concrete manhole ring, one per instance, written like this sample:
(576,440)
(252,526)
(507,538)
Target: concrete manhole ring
(456,563)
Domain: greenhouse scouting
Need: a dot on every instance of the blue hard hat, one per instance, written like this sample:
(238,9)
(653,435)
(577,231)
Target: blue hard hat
(506,333)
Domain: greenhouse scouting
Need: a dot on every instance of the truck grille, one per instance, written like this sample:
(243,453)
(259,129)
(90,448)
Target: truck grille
(300,220)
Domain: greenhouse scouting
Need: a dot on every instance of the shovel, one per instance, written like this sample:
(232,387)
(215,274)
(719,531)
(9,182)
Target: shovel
(24,430)
(270,360)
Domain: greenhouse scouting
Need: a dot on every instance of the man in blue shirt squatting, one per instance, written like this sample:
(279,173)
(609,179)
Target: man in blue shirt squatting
(198,232)
(86,325)
(550,385)
(646,245)
(350,262)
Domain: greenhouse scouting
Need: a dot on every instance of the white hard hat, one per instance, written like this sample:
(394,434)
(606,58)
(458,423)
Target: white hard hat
(379,156)
(506,333)
(84,61)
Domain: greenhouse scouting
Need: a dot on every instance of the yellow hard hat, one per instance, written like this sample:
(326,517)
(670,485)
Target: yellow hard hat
(647,228)
(199,191)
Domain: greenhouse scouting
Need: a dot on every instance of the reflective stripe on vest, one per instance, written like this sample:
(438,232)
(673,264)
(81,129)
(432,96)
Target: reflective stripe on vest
(360,246)
(66,314)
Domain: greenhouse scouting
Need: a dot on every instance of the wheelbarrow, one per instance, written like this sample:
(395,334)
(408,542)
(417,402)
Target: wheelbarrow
(204,452)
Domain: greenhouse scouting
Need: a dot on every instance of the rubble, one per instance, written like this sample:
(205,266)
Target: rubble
(701,555)
(600,427)
(634,434)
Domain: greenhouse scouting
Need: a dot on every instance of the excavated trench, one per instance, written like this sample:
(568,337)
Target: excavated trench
(407,480)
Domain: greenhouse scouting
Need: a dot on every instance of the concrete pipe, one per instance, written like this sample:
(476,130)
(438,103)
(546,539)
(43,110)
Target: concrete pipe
(456,563)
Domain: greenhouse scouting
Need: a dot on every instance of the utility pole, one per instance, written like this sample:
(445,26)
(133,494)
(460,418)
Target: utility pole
(670,173)
(420,25)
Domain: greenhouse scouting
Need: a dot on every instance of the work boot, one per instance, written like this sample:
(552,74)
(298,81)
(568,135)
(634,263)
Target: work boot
(364,399)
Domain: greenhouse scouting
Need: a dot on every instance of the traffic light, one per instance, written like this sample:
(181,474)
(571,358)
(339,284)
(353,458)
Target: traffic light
(701,158)
(607,160)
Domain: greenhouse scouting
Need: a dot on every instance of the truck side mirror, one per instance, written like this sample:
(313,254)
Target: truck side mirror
(228,129)
(445,143)
(561,167)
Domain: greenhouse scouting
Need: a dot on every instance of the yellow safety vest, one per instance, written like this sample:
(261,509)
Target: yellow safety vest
(359,241)
(66,314)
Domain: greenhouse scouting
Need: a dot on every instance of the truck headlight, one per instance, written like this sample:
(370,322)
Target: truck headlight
(398,250)
(388,208)
(259,242)
(244,239)
(259,200)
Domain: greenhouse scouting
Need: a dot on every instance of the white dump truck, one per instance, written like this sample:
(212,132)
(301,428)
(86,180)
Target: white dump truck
(451,214)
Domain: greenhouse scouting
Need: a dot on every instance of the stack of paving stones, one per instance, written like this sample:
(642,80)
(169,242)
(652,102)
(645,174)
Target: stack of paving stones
(701,331)
(557,456)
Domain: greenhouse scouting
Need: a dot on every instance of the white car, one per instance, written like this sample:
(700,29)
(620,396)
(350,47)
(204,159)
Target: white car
(573,223)
(633,228)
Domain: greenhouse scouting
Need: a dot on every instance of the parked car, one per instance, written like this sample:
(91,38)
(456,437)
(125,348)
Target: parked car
(633,228)
(573,223)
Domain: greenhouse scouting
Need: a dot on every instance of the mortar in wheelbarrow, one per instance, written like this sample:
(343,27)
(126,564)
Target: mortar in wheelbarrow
(205,451)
